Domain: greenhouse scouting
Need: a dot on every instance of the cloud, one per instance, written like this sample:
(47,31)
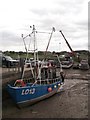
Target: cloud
(70,16)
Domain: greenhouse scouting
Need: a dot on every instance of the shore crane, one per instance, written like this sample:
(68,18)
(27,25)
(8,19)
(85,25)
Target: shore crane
(72,52)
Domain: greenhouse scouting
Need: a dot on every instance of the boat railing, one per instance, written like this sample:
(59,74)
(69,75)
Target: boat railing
(28,80)
(48,81)
(45,81)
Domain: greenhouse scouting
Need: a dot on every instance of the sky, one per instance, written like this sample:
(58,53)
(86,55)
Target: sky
(70,16)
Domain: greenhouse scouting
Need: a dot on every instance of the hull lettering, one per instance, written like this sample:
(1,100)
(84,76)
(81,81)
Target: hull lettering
(28,91)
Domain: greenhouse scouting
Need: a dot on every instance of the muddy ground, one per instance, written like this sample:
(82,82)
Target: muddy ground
(70,103)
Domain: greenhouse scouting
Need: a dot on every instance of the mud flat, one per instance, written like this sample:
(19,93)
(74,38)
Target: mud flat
(70,103)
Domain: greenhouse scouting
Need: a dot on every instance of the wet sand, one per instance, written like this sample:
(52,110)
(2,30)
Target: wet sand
(70,103)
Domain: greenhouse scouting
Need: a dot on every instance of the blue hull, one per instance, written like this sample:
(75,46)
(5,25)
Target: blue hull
(29,94)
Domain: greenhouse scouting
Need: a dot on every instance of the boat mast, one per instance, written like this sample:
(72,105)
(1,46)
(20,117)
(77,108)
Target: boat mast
(35,69)
(26,52)
(53,30)
(34,42)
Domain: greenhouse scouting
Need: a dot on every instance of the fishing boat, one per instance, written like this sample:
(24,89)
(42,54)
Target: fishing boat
(44,82)
(67,64)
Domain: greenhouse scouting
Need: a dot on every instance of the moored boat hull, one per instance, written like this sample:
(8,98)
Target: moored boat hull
(28,95)
(67,66)
(33,101)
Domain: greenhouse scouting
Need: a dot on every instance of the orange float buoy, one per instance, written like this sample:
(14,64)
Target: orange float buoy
(49,89)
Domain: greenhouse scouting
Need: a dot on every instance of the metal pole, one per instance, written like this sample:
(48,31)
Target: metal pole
(23,66)
(34,52)
(66,41)
(53,30)
(34,42)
